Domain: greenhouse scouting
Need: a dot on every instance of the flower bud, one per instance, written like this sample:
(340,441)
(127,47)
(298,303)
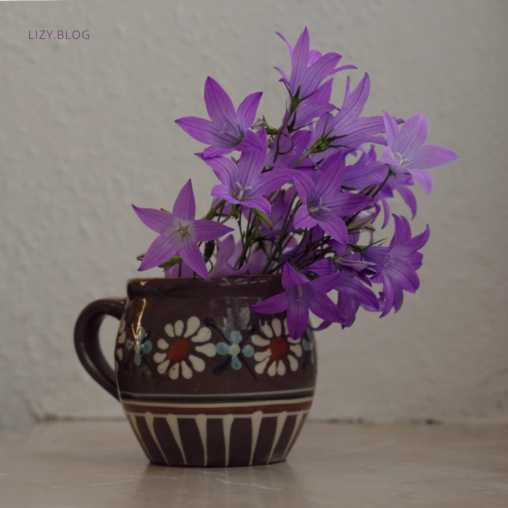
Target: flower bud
(263,218)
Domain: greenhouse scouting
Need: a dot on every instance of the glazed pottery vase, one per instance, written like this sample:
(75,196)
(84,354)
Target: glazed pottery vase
(203,379)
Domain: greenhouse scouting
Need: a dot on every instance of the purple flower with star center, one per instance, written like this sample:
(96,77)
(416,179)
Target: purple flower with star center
(309,67)
(228,128)
(351,287)
(396,265)
(244,183)
(346,128)
(324,203)
(179,233)
(300,295)
(405,151)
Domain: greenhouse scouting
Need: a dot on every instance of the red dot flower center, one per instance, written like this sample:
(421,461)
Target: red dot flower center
(178,350)
(278,347)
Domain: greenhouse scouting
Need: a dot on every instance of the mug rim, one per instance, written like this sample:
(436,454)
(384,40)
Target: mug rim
(235,285)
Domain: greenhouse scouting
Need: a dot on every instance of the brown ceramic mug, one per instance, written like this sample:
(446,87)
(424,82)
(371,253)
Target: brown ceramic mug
(203,379)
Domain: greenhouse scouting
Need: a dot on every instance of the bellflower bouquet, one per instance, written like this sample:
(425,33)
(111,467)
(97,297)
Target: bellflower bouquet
(304,197)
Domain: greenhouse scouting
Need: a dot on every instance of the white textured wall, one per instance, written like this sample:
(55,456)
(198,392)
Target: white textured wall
(86,129)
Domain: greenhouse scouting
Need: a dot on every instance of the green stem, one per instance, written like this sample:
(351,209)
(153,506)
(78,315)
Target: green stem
(285,225)
(378,190)
(213,209)
(304,156)
(390,173)
(230,215)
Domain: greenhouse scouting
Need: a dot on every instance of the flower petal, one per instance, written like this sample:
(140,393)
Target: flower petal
(162,248)
(271,181)
(297,314)
(326,283)
(299,59)
(403,275)
(198,364)
(413,135)
(251,163)
(355,289)
(235,362)
(290,48)
(273,305)
(347,203)
(247,110)
(410,247)
(224,192)
(290,277)
(157,220)
(248,351)
(409,198)
(305,186)
(317,72)
(219,105)
(392,130)
(206,230)
(388,157)
(200,129)
(302,218)
(335,227)
(249,143)
(207,349)
(185,204)
(259,203)
(322,306)
(351,109)
(191,254)
(431,156)
(186,370)
(424,178)
(223,168)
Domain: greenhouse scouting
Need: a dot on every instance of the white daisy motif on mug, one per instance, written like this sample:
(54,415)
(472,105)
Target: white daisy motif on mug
(279,347)
(178,356)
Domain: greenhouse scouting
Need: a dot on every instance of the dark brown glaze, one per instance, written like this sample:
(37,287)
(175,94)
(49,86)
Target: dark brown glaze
(203,379)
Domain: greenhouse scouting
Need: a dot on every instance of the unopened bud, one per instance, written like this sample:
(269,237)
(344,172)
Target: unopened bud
(260,123)
(369,190)
(171,262)
(263,218)
(361,223)
(209,248)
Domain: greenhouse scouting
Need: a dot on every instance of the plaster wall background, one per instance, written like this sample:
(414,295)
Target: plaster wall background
(86,129)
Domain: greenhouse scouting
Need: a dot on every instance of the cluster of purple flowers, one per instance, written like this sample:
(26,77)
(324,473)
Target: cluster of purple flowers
(304,197)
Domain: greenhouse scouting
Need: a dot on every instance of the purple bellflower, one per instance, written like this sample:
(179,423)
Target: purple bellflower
(301,210)
(227,254)
(323,202)
(396,265)
(280,209)
(244,183)
(257,260)
(346,128)
(351,287)
(399,183)
(300,295)
(228,129)
(290,148)
(405,152)
(367,170)
(179,233)
(309,67)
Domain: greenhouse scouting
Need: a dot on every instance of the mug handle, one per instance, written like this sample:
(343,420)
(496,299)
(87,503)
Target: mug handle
(86,341)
